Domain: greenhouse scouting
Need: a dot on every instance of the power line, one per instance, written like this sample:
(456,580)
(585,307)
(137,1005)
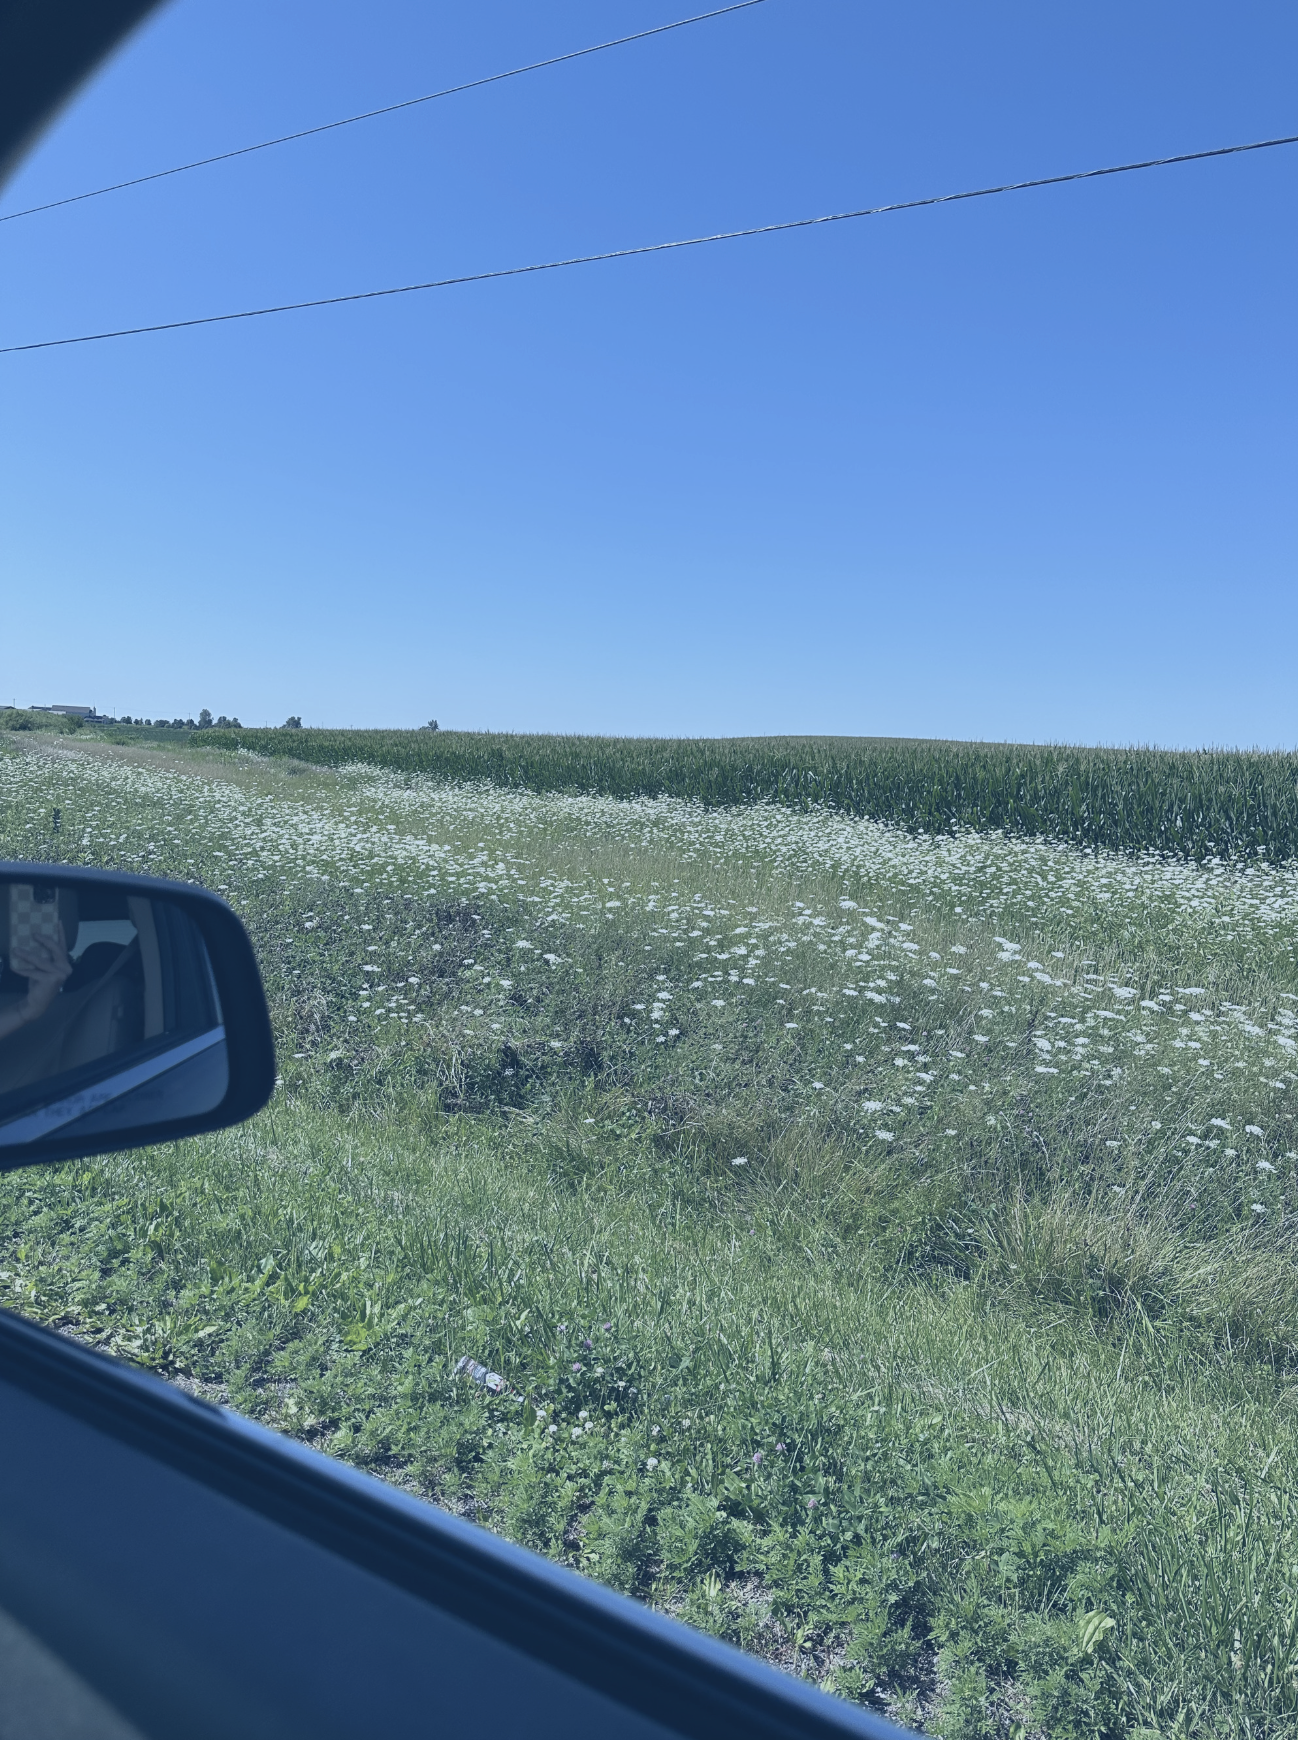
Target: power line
(372,114)
(837,217)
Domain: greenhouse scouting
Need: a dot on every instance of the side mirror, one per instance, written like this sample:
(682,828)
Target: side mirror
(131,1012)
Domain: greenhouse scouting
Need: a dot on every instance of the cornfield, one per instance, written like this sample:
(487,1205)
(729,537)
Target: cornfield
(1196,804)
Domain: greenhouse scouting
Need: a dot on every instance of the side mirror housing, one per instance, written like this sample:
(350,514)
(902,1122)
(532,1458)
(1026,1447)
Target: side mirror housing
(131,1012)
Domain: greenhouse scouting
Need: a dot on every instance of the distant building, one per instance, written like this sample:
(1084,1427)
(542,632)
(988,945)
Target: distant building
(70,712)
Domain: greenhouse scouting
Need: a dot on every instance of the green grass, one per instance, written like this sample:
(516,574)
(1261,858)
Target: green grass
(970,1392)
(25,719)
(1201,804)
(963,1482)
(158,736)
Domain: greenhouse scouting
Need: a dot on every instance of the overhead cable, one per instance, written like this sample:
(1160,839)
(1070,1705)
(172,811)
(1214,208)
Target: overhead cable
(372,114)
(837,217)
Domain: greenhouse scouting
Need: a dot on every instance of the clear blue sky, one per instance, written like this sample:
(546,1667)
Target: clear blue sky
(1023,468)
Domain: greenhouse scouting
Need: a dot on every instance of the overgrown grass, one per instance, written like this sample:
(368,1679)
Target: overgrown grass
(920,1316)
(1200,804)
(26,719)
(953,1497)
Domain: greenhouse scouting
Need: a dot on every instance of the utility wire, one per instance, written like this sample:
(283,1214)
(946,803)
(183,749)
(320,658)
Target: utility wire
(371,114)
(837,217)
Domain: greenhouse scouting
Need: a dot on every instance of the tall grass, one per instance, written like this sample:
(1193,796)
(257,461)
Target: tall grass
(1196,804)
(933,1496)
(28,719)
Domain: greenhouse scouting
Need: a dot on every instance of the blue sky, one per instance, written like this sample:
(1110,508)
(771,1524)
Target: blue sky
(1022,468)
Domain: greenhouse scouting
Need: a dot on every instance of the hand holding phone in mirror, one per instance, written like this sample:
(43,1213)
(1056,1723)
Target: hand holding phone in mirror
(43,962)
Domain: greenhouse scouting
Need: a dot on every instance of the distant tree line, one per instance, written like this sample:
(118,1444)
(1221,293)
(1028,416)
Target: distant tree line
(204,722)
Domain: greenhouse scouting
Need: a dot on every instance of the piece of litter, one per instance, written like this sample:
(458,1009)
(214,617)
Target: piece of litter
(742,1160)
(466,1366)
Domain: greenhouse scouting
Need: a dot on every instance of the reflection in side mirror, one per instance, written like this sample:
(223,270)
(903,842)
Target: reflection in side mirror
(130,1011)
(109,1014)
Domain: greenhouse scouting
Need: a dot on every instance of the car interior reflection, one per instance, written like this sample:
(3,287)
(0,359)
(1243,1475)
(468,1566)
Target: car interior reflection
(108,1009)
